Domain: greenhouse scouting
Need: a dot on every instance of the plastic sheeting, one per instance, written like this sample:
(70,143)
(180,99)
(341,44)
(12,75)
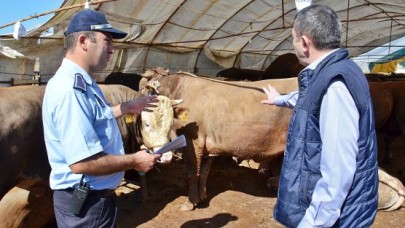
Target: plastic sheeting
(205,36)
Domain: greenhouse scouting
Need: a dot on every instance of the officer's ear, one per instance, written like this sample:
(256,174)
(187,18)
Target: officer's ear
(82,41)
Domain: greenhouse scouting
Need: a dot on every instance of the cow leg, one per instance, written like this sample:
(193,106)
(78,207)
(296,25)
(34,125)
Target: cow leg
(202,186)
(273,165)
(193,164)
(192,199)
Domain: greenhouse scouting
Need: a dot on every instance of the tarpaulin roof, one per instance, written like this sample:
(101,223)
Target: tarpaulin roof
(205,36)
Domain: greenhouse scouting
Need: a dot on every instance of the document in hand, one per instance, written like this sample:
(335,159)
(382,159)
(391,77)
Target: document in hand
(177,143)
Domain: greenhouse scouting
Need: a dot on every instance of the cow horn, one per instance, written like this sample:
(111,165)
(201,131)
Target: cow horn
(176,102)
(148,74)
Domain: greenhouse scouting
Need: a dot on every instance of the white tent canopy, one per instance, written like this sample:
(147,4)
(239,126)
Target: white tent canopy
(202,36)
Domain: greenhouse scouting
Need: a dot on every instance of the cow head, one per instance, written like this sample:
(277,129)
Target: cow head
(147,86)
(156,126)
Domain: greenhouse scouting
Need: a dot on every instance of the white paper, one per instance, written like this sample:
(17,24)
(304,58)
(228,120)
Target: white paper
(179,142)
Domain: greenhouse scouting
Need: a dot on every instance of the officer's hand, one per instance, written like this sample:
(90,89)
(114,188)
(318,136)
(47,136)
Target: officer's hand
(145,161)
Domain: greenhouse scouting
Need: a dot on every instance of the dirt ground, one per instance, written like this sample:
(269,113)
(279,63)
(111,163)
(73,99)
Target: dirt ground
(237,197)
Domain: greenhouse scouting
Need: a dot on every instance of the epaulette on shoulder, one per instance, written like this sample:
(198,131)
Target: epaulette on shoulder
(80,84)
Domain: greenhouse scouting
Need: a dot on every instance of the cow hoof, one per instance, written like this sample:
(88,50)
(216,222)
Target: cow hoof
(187,206)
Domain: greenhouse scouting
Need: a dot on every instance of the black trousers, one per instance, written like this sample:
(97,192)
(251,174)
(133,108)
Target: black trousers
(99,210)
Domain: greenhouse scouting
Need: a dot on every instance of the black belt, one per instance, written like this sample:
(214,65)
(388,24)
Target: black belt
(100,193)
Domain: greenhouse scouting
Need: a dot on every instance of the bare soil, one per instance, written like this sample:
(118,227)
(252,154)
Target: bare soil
(237,197)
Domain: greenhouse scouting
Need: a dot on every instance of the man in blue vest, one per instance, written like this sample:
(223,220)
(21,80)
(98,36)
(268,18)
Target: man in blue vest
(329,176)
(83,141)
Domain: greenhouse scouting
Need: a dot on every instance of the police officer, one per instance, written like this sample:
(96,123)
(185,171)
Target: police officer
(82,137)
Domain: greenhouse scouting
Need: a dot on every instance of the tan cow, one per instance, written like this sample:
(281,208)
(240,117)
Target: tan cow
(23,159)
(222,118)
(226,118)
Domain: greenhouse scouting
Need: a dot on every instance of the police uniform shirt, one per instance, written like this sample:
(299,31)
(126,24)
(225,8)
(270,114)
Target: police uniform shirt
(78,123)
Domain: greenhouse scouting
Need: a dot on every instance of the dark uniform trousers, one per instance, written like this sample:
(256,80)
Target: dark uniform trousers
(99,209)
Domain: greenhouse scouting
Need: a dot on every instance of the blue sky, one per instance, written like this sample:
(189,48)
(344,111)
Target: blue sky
(13,10)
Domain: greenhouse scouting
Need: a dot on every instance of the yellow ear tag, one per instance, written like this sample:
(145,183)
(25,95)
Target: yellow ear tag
(129,118)
(184,117)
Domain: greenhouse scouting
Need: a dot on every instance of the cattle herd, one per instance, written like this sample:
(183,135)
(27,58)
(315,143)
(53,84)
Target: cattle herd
(218,118)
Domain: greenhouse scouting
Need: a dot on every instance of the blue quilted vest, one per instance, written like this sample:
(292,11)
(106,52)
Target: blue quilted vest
(301,165)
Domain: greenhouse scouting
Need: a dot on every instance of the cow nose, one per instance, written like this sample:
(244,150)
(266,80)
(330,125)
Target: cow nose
(166,157)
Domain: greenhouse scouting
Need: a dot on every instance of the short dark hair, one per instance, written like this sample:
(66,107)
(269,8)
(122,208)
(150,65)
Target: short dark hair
(70,40)
(321,24)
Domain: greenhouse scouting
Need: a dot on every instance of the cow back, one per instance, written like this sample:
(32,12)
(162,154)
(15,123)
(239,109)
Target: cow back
(227,118)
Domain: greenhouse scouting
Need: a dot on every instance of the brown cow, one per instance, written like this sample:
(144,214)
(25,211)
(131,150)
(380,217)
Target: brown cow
(284,66)
(236,74)
(23,158)
(22,146)
(389,107)
(127,79)
(222,118)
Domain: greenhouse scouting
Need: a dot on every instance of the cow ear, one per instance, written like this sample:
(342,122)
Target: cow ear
(176,102)
(181,113)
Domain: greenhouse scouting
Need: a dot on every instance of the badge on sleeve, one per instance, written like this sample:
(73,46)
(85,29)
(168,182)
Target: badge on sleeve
(80,84)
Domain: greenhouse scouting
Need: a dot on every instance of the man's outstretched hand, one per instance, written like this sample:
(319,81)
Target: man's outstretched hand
(271,93)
